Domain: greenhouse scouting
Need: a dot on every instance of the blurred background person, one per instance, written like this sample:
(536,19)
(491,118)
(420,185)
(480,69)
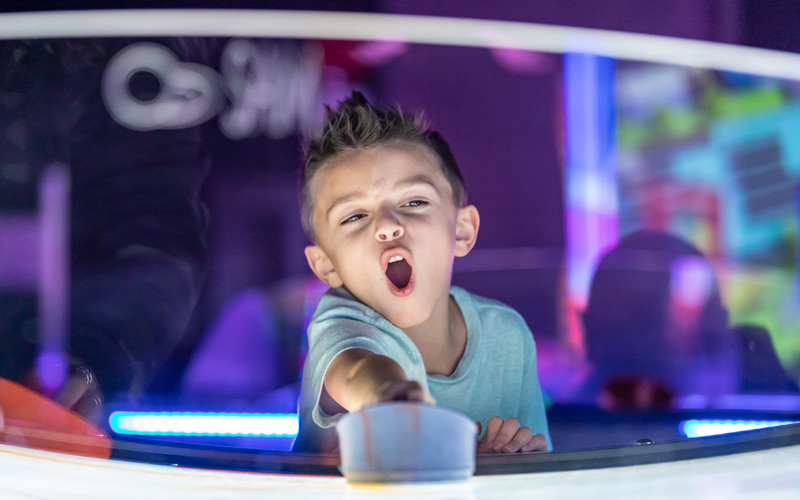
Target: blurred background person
(655,326)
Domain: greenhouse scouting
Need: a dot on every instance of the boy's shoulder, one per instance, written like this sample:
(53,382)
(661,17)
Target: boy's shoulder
(496,326)
(338,304)
(484,306)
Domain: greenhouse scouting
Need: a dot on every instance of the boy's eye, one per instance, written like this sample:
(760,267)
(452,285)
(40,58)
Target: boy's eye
(415,203)
(350,219)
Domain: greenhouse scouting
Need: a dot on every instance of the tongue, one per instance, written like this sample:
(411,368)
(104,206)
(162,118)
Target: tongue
(399,273)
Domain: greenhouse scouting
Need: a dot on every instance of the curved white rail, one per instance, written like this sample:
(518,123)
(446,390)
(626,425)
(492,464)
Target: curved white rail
(406,28)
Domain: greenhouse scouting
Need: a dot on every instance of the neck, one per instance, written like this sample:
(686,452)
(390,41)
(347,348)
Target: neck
(441,340)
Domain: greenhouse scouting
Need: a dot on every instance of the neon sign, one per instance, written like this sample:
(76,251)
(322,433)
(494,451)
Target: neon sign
(265,88)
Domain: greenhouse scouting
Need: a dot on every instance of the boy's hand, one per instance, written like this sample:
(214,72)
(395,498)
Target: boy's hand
(506,436)
(405,390)
(357,378)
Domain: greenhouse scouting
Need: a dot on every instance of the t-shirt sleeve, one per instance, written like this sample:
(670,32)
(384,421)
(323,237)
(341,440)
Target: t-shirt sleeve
(334,337)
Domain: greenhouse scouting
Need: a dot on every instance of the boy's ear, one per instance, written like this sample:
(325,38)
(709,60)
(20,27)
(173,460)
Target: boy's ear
(467,226)
(322,266)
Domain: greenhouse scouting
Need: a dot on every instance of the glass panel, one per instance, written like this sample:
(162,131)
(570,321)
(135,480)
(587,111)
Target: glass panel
(641,218)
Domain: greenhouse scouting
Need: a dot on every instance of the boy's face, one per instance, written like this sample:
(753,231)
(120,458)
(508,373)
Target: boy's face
(387,229)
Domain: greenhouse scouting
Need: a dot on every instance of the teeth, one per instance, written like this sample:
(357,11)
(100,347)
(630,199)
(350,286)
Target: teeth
(396,258)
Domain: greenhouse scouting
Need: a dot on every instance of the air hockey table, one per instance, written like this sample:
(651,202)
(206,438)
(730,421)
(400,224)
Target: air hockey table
(763,463)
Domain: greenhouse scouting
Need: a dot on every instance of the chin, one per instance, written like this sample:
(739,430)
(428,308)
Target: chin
(403,326)
(403,320)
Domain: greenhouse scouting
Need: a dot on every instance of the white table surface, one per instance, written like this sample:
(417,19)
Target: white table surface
(32,474)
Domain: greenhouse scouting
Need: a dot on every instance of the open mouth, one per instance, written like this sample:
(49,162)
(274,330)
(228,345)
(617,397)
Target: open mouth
(398,271)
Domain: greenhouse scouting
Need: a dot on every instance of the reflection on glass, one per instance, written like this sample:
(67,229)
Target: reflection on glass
(708,157)
(131,225)
(189,291)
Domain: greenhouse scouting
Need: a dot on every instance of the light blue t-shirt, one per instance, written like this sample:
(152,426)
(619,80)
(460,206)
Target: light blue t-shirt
(496,376)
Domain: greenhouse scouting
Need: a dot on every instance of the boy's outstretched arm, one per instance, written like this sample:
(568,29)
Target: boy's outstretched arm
(506,436)
(357,378)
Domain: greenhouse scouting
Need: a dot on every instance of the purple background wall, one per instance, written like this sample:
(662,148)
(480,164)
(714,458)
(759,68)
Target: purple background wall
(504,125)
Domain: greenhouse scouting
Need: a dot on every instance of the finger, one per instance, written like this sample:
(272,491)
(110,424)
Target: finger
(392,391)
(90,405)
(405,391)
(415,392)
(537,443)
(520,439)
(506,433)
(480,446)
(75,387)
(492,428)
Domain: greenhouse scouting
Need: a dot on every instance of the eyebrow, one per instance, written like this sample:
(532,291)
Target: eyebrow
(401,184)
(415,180)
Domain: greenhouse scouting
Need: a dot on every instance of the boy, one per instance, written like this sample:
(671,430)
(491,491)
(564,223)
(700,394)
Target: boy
(384,203)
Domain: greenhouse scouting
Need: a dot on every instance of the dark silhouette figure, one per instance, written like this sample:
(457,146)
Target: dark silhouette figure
(655,326)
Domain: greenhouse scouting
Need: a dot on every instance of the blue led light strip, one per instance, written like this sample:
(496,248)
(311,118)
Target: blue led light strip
(203,424)
(702,428)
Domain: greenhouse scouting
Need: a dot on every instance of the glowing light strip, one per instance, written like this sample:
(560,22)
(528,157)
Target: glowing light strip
(405,28)
(702,428)
(203,424)
(591,172)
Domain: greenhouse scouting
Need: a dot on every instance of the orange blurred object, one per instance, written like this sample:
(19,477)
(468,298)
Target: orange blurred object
(29,419)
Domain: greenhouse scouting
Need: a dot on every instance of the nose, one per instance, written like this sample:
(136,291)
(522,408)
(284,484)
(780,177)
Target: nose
(388,228)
